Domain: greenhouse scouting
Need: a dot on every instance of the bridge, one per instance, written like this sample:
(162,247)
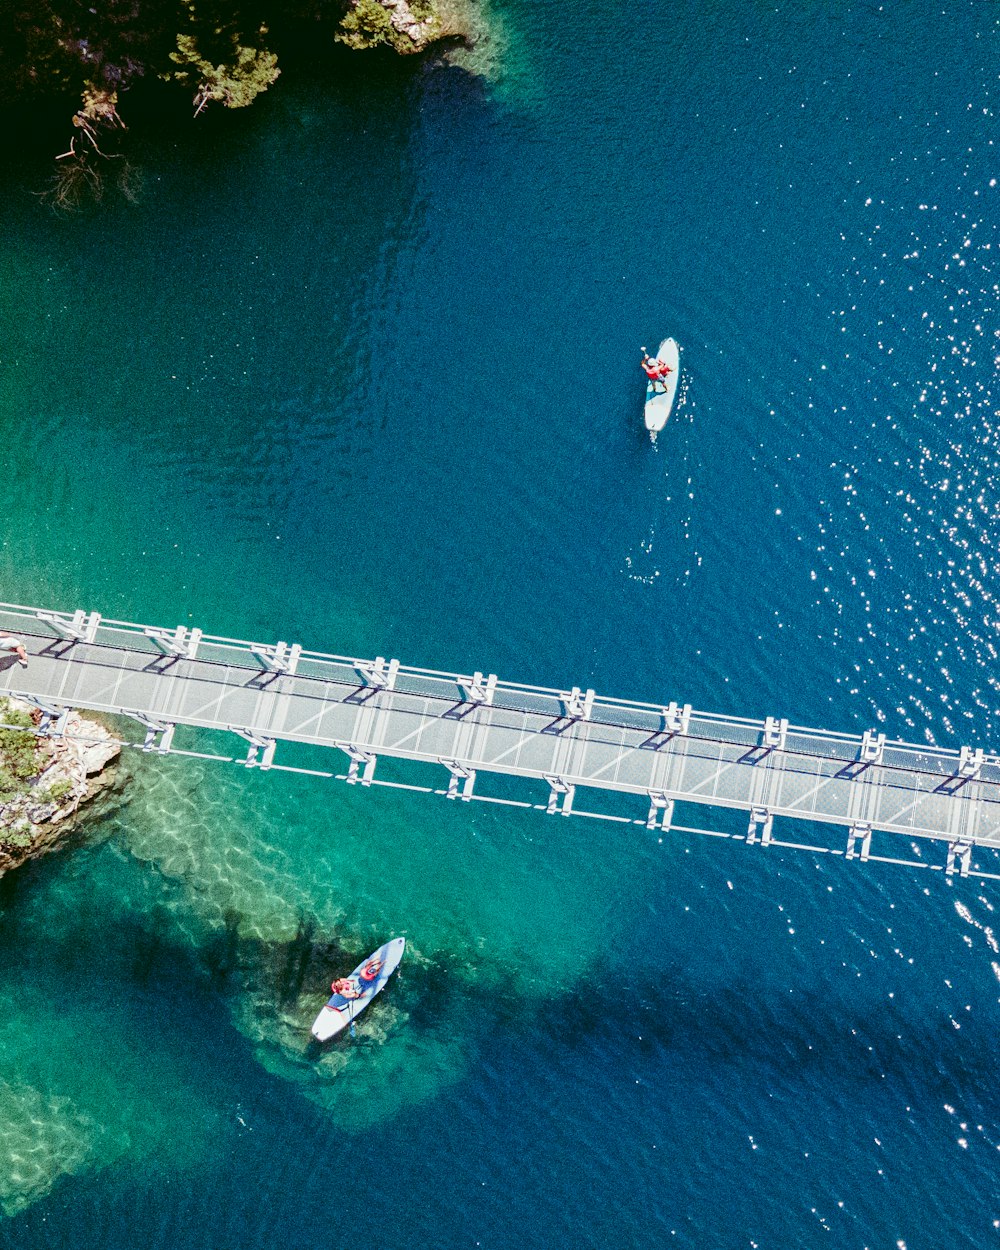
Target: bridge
(272,693)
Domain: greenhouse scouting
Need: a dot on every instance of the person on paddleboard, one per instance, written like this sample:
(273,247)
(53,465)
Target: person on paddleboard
(345,987)
(655,370)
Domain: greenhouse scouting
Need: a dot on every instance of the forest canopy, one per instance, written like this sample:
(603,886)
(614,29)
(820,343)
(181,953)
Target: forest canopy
(223,53)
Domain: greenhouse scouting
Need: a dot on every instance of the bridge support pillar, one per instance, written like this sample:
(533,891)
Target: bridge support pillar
(661,811)
(762,818)
(861,832)
(970,766)
(872,747)
(183,642)
(960,852)
(357,758)
(560,789)
(475,690)
(53,722)
(81,627)
(460,773)
(378,674)
(970,763)
(775,733)
(162,730)
(676,720)
(579,704)
(260,746)
(281,658)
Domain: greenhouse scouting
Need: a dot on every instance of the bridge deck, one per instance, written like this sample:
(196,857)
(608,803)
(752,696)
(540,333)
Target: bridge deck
(271,693)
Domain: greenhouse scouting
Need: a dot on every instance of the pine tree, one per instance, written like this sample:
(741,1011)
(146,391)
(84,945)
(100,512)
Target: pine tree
(214,60)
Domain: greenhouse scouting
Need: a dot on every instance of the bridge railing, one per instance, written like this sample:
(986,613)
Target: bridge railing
(661,721)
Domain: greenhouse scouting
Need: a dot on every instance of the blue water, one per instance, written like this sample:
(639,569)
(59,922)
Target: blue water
(361,370)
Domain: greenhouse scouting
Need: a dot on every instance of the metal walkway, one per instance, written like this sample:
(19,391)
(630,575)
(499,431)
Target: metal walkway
(269,693)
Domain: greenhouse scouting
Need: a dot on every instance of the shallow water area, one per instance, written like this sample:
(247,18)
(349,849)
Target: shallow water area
(360,370)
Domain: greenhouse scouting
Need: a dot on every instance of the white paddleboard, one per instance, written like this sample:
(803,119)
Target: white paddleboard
(660,395)
(367,980)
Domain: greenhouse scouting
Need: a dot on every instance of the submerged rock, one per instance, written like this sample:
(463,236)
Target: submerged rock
(410,1043)
(44,782)
(44,1137)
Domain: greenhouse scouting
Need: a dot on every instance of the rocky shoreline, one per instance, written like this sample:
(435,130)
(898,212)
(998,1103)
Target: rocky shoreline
(407,26)
(223,56)
(45,782)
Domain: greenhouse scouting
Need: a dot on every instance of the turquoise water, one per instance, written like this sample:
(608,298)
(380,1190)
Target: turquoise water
(361,370)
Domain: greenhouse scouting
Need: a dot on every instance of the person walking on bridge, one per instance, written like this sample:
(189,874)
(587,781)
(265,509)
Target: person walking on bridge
(9,643)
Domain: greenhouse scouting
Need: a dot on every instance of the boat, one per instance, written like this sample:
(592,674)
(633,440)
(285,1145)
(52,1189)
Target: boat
(367,980)
(660,395)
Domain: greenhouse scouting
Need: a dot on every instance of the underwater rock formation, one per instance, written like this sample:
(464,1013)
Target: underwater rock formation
(44,1137)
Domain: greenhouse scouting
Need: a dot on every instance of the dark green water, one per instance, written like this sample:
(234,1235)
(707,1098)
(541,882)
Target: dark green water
(360,371)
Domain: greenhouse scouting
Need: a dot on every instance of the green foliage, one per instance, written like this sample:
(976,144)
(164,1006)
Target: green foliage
(218,65)
(367,25)
(220,50)
(11,715)
(19,755)
(55,793)
(8,785)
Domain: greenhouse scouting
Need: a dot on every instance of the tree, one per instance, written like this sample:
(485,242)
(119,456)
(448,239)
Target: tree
(79,176)
(366,25)
(214,60)
(404,26)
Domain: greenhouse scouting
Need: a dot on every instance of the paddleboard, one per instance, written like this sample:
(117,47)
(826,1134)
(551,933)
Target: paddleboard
(367,980)
(660,396)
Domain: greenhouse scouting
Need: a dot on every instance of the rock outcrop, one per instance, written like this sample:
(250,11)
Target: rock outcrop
(407,26)
(42,792)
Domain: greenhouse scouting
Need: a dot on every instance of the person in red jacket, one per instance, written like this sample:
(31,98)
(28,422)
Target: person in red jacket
(655,370)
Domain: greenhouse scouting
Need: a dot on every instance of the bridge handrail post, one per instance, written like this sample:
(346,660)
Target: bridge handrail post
(676,719)
(50,712)
(182,643)
(161,729)
(259,743)
(861,831)
(559,788)
(970,763)
(872,747)
(760,816)
(579,705)
(281,658)
(357,758)
(661,810)
(475,690)
(81,627)
(377,674)
(775,732)
(961,850)
(459,772)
